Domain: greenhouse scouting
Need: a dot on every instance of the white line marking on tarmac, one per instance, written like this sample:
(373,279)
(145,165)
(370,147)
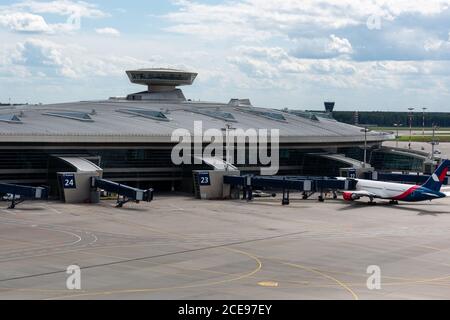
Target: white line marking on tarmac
(46,207)
(175,208)
(9,212)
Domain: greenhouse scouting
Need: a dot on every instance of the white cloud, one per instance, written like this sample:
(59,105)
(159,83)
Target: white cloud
(24,22)
(39,55)
(424,7)
(322,47)
(108,31)
(266,67)
(62,7)
(27,16)
(254,47)
(433,44)
(255,19)
(56,60)
(339,45)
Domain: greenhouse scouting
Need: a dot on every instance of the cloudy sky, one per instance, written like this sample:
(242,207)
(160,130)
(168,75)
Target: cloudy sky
(365,54)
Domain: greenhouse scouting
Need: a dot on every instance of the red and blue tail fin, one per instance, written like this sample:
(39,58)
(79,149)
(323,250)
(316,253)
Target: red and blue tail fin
(437,178)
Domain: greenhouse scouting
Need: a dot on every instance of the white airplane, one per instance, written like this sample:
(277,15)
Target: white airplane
(395,192)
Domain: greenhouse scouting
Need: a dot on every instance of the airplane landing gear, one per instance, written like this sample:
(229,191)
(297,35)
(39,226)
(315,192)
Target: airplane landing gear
(393,202)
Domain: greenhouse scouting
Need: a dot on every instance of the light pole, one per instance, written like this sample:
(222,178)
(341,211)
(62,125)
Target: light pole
(433,141)
(227,156)
(410,125)
(397,125)
(423,121)
(228,128)
(365,145)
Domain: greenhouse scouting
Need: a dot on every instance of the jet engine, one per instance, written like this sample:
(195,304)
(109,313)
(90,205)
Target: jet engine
(349,196)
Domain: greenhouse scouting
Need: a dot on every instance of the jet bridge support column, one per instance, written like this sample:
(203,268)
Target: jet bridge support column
(249,188)
(285,201)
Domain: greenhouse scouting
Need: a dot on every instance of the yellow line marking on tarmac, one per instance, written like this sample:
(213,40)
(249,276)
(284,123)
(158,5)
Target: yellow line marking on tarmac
(35,290)
(432,248)
(407,281)
(129,291)
(16,241)
(272,284)
(340,283)
(155,264)
(146,227)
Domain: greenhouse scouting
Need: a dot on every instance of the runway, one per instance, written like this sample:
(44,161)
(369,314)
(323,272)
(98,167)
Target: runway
(181,248)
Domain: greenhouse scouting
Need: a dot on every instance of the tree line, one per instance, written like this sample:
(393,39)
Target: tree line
(388,119)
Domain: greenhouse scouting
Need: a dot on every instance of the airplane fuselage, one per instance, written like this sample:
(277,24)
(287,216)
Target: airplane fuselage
(397,191)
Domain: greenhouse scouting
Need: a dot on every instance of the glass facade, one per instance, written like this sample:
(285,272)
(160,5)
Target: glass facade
(385,160)
(153,167)
(395,162)
(161,76)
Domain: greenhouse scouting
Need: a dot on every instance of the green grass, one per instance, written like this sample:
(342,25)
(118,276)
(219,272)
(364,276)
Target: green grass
(424,138)
(407,129)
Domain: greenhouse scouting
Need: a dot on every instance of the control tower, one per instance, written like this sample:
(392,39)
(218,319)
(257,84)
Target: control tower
(161,83)
(329,106)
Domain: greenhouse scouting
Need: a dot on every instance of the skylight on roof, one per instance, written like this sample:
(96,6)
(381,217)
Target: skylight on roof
(221,115)
(265,114)
(73,115)
(306,115)
(150,114)
(10,118)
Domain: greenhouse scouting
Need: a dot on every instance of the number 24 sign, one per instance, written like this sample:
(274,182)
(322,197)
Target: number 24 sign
(69,181)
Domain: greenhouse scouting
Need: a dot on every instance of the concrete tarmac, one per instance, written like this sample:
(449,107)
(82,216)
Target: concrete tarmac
(181,248)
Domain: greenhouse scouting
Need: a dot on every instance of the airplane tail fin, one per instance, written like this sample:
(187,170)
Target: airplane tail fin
(437,178)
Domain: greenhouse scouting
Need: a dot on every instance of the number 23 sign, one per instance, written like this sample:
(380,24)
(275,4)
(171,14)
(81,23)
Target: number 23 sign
(204,179)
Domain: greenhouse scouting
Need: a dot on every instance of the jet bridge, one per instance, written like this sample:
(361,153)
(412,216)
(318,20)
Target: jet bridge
(82,185)
(128,193)
(305,184)
(18,194)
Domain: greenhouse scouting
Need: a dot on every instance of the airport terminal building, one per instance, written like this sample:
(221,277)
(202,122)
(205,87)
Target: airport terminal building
(129,138)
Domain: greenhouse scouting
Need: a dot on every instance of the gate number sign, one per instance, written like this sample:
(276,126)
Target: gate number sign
(352,173)
(203,179)
(69,181)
